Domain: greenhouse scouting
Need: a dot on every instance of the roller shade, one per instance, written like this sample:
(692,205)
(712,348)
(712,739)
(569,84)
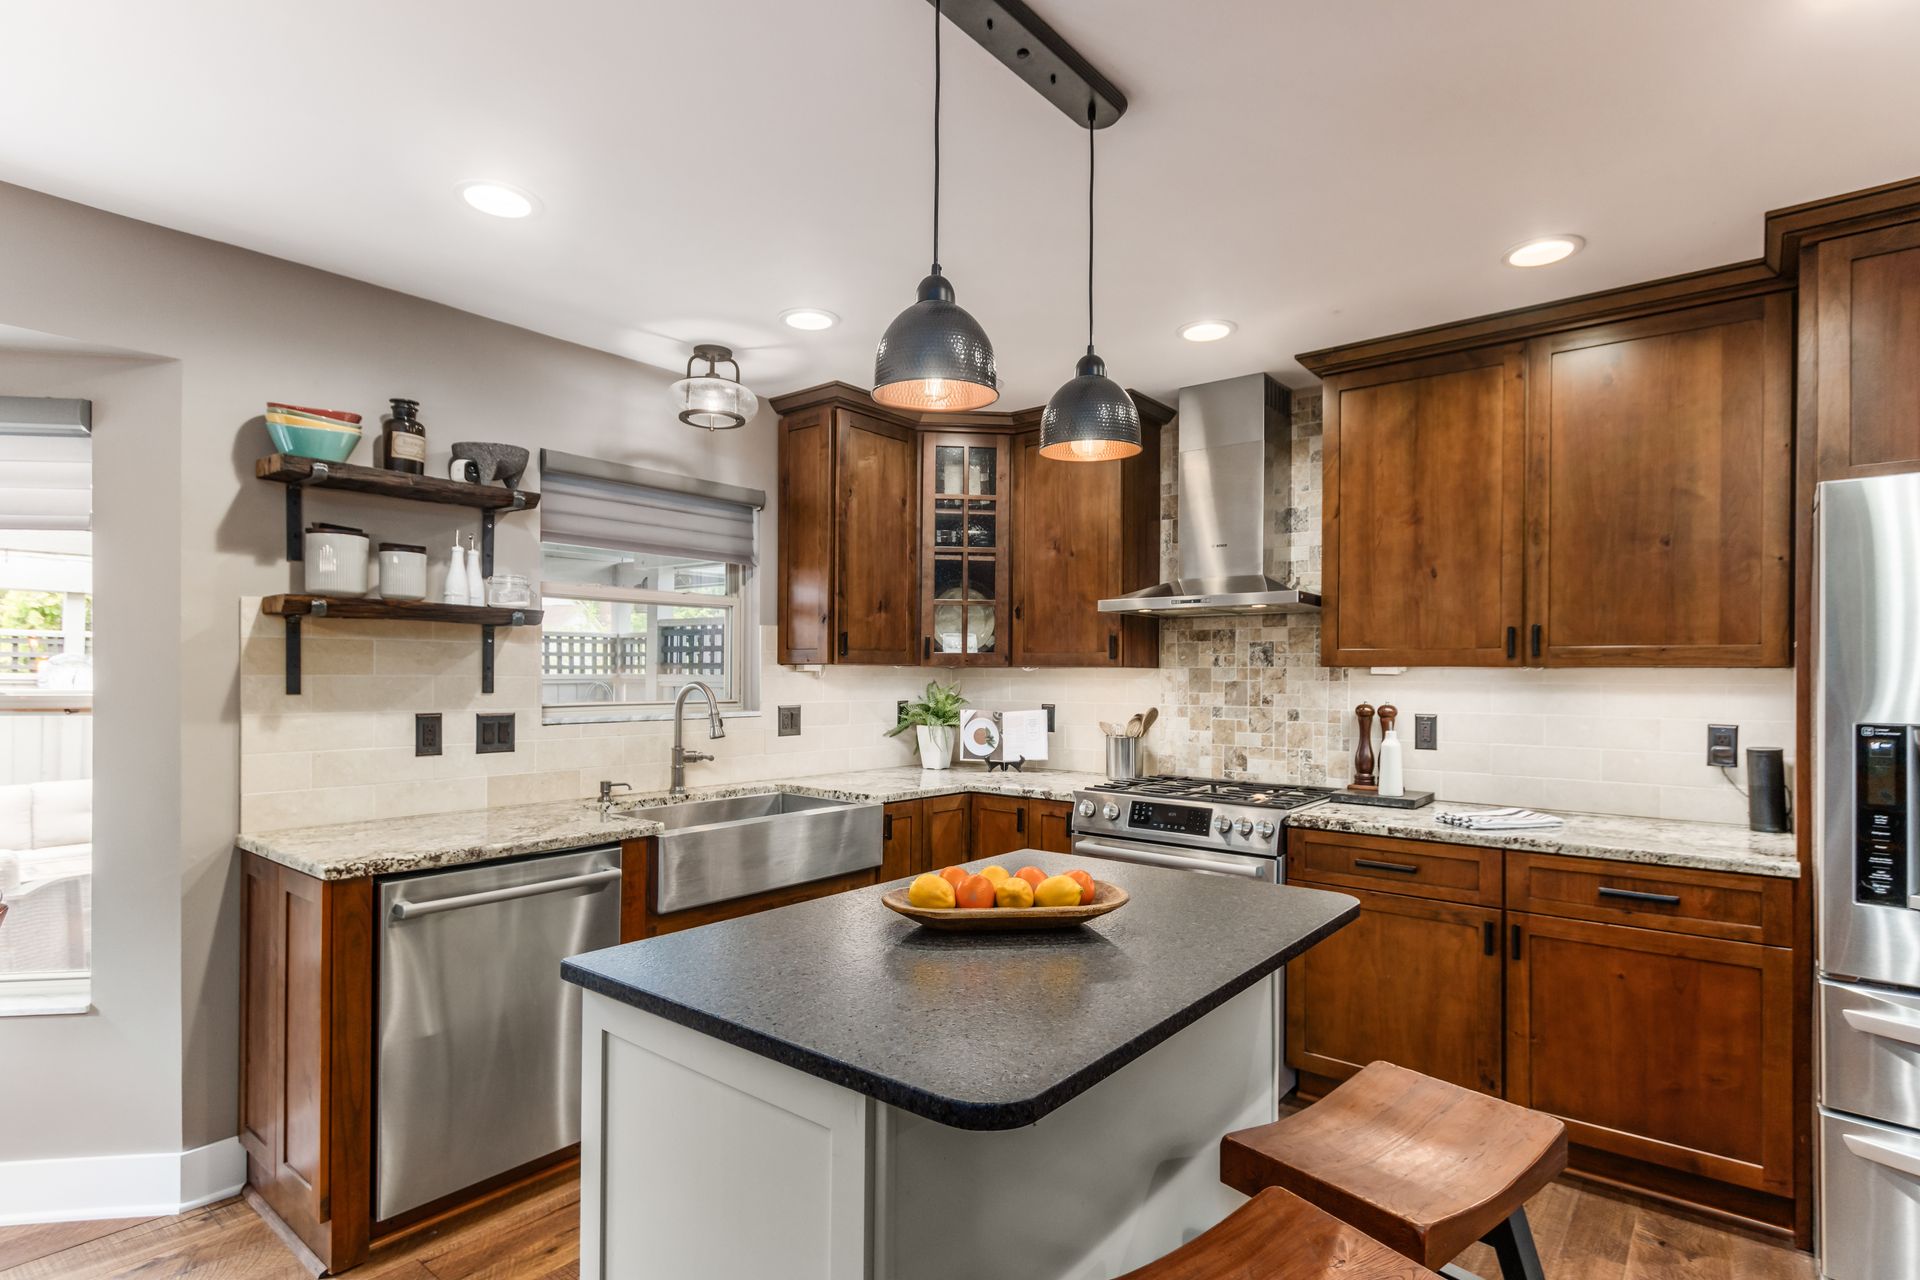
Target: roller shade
(604,504)
(46,482)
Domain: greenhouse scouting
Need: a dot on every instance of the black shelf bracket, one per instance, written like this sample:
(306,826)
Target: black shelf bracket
(486,545)
(296,510)
(293,652)
(486,659)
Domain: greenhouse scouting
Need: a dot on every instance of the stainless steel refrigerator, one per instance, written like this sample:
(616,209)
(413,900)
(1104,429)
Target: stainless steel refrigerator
(1867,876)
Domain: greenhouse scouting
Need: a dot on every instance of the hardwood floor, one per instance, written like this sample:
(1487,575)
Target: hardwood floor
(1583,1234)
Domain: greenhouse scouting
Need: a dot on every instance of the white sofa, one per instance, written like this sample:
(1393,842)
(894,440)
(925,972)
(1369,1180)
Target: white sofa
(46,876)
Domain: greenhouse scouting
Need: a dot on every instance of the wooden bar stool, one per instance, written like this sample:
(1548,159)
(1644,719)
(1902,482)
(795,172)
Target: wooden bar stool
(1423,1166)
(1278,1236)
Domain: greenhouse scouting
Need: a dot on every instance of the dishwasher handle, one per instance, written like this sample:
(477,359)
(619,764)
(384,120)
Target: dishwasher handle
(408,910)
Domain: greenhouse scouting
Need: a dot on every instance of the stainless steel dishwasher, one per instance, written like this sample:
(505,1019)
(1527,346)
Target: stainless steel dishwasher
(478,1056)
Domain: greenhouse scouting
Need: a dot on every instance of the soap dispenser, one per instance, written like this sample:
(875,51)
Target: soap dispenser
(476,580)
(1392,775)
(456,589)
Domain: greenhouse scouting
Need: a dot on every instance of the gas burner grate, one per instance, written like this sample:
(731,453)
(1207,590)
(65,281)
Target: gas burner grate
(1259,795)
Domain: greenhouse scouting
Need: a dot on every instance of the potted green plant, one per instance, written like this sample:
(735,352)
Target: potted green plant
(934,717)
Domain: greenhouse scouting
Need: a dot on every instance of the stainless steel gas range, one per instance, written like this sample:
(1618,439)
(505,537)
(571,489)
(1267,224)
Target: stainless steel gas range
(1193,824)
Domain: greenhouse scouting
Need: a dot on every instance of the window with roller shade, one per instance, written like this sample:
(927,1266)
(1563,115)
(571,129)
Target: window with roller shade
(645,586)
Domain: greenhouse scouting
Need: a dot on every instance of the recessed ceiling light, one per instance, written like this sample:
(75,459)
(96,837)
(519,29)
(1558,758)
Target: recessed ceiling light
(1541,252)
(498,199)
(809,318)
(1207,330)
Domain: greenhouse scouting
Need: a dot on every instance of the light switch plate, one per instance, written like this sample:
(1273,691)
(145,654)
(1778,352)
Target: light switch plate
(1723,745)
(789,722)
(426,733)
(1426,733)
(493,733)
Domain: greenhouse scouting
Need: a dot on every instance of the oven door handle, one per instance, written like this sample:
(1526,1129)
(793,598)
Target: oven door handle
(1884,1025)
(1180,862)
(1899,1159)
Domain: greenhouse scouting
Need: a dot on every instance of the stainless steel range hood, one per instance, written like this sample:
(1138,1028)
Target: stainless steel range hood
(1236,448)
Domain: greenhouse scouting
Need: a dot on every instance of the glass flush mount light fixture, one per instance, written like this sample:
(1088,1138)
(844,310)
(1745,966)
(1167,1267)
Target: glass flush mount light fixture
(499,199)
(709,401)
(935,356)
(809,318)
(1207,330)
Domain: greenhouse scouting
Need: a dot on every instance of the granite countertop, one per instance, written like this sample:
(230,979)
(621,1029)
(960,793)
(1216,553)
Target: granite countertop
(1669,842)
(973,1031)
(349,850)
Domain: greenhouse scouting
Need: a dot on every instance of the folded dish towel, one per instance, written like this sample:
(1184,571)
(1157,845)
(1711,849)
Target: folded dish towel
(1499,820)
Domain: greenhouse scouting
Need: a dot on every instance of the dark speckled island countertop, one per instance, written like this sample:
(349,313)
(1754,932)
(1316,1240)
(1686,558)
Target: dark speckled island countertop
(981,1031)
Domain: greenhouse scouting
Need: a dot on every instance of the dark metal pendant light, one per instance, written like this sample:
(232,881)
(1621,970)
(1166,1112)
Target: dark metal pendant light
(934,356)
(1091,418)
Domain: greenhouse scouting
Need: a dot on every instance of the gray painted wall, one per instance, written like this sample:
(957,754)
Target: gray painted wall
(185,530)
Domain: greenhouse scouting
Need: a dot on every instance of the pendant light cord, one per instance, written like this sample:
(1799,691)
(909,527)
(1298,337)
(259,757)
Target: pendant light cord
(1090,108)
(936,137)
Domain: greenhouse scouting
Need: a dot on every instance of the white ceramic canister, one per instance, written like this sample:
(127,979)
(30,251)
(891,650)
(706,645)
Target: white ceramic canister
(335,560)
(403,571)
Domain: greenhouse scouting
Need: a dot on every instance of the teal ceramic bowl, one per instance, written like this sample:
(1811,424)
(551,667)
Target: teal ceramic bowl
(312,442)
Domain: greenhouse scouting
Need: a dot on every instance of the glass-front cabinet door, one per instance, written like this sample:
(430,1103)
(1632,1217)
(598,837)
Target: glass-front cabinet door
(963,569)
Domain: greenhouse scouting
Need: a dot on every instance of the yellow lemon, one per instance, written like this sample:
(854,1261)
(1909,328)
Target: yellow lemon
(932,891)
(1057,891)
(1012,892)
(995,873)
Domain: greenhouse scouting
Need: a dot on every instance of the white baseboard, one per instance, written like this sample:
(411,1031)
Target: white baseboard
(135,1186)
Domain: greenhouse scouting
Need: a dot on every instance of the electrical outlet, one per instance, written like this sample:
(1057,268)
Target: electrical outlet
(426,733)
(493,733)
(789,722)
(1426,733)
(1723,745)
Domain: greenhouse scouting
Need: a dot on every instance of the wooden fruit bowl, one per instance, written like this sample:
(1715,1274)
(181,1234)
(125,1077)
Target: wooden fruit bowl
(1106,897)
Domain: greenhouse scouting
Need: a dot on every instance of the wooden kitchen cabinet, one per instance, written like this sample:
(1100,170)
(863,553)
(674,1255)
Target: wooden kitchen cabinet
(948,829)
(923,835)
(965,505)
(1860,351)
(1084,532)
(1659,490)
(1412,981)
(1002,824)
(847,587)
(1660,1047)
(903,841)
(1423,466)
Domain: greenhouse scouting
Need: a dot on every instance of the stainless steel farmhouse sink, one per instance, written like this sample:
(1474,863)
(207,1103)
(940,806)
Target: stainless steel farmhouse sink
(715,850)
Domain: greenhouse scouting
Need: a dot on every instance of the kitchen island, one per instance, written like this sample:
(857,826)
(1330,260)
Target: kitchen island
(829,1090)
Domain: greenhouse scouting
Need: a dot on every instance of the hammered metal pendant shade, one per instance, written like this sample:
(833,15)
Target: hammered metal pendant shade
(1091,418)
(935,357)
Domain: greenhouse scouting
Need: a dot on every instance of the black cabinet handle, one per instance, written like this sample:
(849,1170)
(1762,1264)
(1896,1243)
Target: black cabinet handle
(1513,641)
(1634,895)
(1489,938)
(1113,646)
(843,644)
(1403,868)
(1536,639)
(886,827)
(926,648)
(1516,942)
(1020,819)
(1019,612)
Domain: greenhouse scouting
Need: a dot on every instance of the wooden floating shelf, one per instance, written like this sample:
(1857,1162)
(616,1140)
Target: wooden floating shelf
(292,606)
(310,472)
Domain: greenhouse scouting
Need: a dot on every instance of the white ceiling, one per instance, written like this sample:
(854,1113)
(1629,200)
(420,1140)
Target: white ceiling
(1315,171)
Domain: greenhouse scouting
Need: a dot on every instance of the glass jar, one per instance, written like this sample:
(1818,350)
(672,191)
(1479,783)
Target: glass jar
(403,439)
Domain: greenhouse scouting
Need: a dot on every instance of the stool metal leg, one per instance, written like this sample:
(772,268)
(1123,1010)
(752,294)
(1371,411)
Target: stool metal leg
(1512,1243)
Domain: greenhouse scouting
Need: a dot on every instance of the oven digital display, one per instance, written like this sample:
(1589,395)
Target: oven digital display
(1181,819)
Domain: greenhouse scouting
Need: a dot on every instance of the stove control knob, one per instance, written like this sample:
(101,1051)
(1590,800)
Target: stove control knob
(1111,812)
(1223,824)
(1085,808)
(1263,829)
(1244,826)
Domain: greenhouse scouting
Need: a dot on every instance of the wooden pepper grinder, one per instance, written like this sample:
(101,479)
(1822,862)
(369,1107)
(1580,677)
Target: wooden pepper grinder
(1388,714)
(1363,778)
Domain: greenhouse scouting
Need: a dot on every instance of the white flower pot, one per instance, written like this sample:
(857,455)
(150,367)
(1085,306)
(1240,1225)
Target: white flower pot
(936,745)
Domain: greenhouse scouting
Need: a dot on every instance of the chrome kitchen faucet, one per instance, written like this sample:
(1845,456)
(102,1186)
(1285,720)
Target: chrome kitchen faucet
(716,728)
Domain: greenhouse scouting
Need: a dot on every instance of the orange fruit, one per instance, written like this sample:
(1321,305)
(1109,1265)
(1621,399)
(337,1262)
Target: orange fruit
(1013,892)
(955,876)
(1032,875)
(1085,882)
(975,891)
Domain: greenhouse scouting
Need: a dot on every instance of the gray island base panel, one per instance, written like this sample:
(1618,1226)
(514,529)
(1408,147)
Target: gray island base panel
(988,1031)
(783,1098)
